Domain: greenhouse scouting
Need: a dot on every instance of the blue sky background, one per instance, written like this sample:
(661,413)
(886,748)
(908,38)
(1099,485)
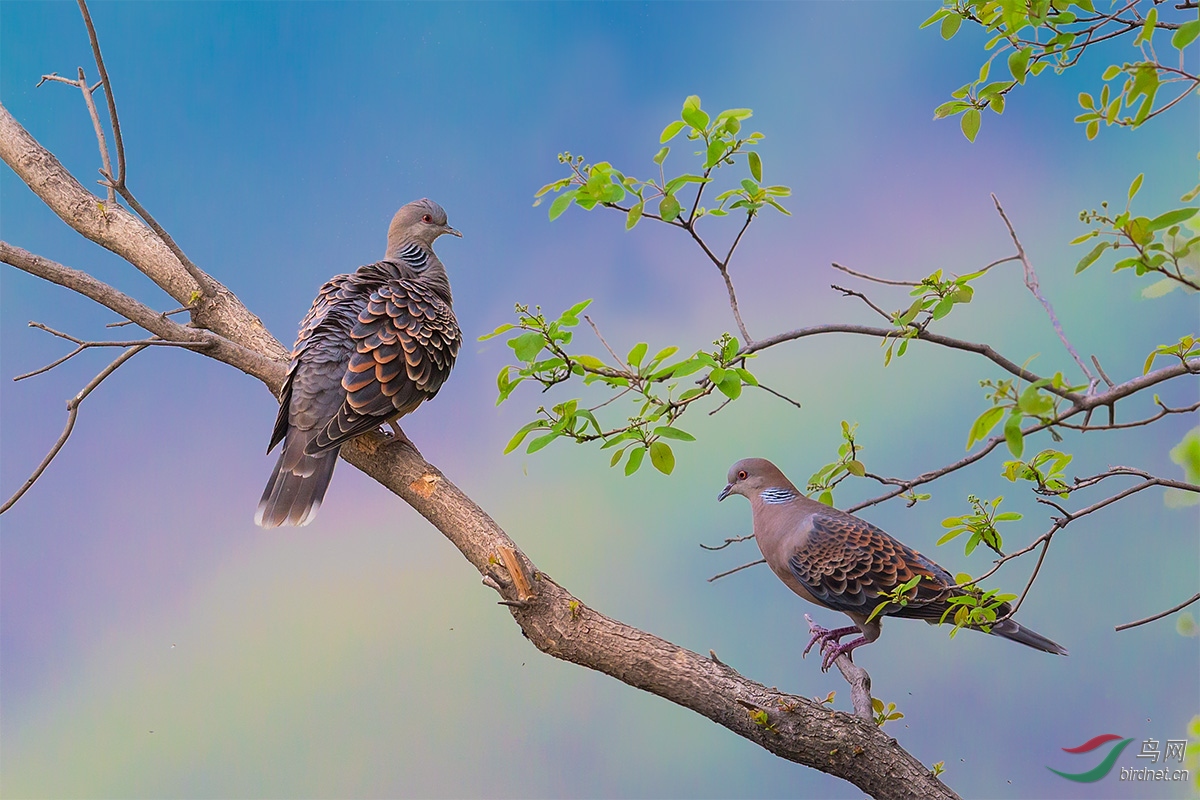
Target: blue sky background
(153,642)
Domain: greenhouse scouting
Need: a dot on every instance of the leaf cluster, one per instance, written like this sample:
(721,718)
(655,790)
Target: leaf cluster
(653,383)
(1160,245)
(1032,35)
(833,473)
(980,523)
(974,608)
(720,142)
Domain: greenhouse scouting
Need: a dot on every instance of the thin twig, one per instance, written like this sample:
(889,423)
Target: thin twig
(604,342)
(1160,614)
(108,93)
(1031,282)
(72,413)
(164,315)
(851,293)
(889,282)
(729,541)
(780,395)
(208,288)
(90,102)
(1100,369)
(736,569)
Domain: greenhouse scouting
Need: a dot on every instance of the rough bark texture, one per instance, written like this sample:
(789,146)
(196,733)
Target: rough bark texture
(791,727)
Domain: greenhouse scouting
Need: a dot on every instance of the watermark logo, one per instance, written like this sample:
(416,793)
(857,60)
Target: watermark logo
(1174,751)
(1104,767)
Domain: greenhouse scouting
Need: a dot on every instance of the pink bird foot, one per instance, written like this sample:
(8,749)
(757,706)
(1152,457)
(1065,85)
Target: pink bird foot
(832,649)
(825,636)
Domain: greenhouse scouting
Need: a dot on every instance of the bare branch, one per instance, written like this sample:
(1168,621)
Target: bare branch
(72,414)
(218,347)
(116,229)
(729,541)
(769,390)
(604,342)
(82,345)
(1160,614)
(108,93)
(856,676)
(889,282)
(727,572)
(864,298)
(1031,282)
(89,101)
(164,315)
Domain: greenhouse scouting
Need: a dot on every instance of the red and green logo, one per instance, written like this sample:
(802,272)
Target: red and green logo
(1101,769)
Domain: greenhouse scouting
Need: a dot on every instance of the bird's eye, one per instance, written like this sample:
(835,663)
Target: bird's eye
(426,218)
(742,475)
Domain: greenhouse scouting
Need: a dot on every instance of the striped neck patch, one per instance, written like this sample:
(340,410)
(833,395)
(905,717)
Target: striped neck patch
(415,257)
(776,496)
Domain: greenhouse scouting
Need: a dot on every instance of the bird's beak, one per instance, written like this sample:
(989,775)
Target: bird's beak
(453,232)
(725,492)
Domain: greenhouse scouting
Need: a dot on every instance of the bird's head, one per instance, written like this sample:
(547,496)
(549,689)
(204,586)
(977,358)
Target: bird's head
(750,476)
(420,221)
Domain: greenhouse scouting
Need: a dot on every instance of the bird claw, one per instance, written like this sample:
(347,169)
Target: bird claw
(826,636)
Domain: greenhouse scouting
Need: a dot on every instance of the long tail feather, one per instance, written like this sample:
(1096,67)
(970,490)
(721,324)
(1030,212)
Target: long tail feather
(1014,631)
(297,486)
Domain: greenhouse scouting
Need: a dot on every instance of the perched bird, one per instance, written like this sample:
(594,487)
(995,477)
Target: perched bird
(375,345)
(839,561)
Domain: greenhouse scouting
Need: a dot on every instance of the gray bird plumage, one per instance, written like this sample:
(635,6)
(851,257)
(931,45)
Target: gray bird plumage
(374,345)
(841,562)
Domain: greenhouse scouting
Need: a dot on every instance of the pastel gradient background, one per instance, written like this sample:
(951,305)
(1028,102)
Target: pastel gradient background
(154,643)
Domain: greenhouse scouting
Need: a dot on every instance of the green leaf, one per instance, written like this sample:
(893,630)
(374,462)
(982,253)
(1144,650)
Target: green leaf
(1093,128)
(826,497)
(520,435)
(501,329)
(634,215)
(661,457)
(1172,218)
(635,460)
(541,441)
(1186,34)
(950,25)
(636,355)
(1018,63)
(731,385)
(693,116)
(527,345)
(1033,402)
(669,208)
(674,433)
(661,155)
(716,149)
(669,133)
(1112,72)
(934,17)
(970,123)
(755,165)
(1136,185)
(856,468)
(984,424)
(561,202)
(1091,257)
(1013,436)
